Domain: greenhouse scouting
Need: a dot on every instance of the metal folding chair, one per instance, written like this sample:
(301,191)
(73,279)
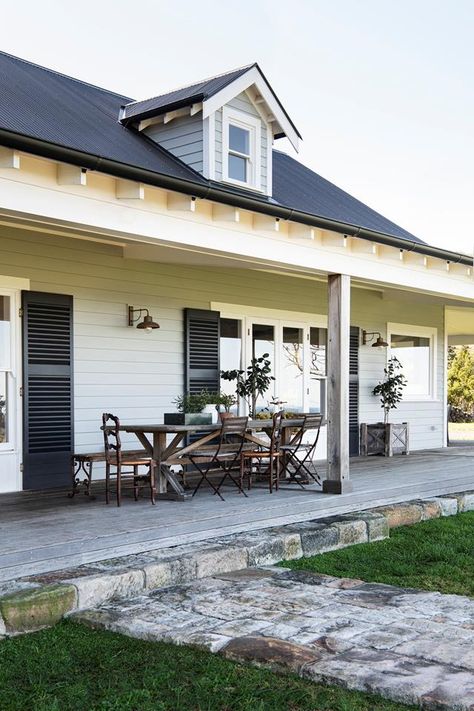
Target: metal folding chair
(223,458)
(264,462)
(298,469)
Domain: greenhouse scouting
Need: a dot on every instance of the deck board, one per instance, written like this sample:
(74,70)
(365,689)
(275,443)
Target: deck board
(47,531)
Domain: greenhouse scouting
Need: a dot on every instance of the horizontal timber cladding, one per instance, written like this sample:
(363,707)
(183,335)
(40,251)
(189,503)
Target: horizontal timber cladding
(48,389)
(138,375)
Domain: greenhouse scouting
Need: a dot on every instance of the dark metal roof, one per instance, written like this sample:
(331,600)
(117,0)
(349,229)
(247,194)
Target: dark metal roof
(55,108)
(181,97)
(56,114)
(296,186)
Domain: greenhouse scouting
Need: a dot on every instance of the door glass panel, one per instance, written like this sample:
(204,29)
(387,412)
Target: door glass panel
(5,326)
(3,408)
(230,351)
(263,341)
(317,345)
(290,383)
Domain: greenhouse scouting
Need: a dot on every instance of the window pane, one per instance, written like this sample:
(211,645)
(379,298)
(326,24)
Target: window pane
(237,168)
(289,386)
(3,408)
(263,341)
(5,345)
(318,342)
(231,351)
(239,140)
(413,352)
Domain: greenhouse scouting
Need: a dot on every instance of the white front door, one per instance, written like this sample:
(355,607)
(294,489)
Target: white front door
(10,374)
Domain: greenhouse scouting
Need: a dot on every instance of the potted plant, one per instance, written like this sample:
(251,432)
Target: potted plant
(190,408)
(385,437)
(252,382)
(226,402)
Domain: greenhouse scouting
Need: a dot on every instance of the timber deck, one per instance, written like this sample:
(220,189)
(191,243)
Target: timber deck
(47,531)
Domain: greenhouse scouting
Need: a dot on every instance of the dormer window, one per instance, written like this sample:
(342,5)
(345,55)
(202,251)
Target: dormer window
(241,148)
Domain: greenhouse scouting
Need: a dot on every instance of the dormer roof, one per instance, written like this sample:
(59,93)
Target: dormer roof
(213,93)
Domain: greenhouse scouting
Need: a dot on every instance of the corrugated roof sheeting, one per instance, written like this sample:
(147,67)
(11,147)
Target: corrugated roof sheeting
(296,186)
(59,110)
(196,92)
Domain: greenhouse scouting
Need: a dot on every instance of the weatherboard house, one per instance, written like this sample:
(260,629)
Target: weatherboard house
(181,205)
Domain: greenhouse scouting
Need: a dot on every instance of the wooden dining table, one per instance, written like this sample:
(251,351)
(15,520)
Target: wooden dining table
(165,444)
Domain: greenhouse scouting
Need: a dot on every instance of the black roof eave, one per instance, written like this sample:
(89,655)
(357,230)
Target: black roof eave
(218,193)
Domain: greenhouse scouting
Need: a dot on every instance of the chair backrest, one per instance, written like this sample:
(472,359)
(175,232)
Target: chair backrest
(275,435)
(233,432)
(311,421)
(112,442)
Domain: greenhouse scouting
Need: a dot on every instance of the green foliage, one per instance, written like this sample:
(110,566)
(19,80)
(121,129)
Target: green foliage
(391,388)
(194,402)
(227,401)
(461,379)
(433,555)
(73,668)
(252,382)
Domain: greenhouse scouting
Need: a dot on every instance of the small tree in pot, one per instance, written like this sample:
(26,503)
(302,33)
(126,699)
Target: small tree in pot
(387,438)
(253,382)
(391,388)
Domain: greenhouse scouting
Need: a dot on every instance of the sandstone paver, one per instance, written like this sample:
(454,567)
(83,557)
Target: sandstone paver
(407,645)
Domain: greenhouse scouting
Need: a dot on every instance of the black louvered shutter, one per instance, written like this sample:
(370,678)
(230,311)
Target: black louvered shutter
(354,391)
(202,336)
(48,390)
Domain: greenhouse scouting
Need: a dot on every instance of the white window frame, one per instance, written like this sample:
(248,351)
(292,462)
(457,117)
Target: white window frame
(405,329)
(12,373)
(253,125)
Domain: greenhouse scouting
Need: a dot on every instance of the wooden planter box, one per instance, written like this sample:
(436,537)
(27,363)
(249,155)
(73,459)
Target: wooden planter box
(187,418)
(388,439)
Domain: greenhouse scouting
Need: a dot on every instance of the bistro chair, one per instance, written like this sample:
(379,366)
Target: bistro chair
(117,460)
(224,458)
(264,462)
(303,443)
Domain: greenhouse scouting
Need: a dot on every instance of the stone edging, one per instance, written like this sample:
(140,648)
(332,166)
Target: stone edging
(35,602)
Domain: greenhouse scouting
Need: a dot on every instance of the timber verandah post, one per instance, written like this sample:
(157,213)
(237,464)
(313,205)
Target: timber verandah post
(339,308)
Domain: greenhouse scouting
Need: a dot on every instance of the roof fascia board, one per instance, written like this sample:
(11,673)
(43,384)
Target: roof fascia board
(218,193)
(241,84)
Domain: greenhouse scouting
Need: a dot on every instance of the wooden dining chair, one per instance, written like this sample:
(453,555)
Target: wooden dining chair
(264,462)
(122,465)
(223,458)
(297,454)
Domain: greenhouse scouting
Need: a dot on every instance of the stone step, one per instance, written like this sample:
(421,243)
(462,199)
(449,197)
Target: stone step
(24,603)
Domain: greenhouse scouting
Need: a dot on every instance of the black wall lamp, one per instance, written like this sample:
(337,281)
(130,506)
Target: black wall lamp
(368,336)
(147,324)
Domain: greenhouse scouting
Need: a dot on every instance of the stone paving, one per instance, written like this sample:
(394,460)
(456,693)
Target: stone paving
(410,646)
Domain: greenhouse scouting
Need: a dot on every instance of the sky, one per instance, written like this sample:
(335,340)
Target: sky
(381,91)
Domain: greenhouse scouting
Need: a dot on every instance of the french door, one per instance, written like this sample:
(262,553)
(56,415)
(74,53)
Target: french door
(10,421)
(297,354)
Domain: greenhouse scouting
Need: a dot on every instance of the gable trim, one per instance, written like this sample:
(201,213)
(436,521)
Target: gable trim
(241,84)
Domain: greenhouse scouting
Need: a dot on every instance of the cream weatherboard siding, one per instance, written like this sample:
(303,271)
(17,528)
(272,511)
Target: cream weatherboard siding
(137,375)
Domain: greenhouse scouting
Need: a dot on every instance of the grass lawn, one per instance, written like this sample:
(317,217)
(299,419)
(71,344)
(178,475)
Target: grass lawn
(73,668)
(433,555)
